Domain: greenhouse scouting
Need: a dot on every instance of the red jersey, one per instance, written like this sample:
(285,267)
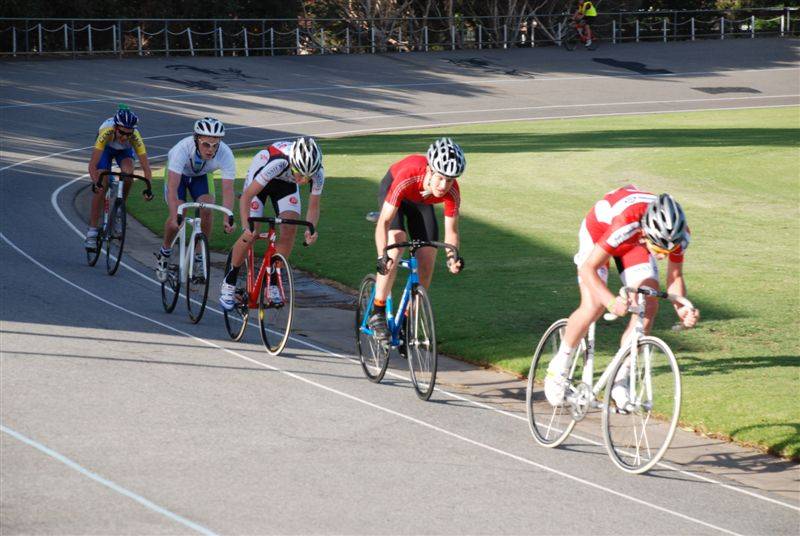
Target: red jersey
(408,175)
(614,222)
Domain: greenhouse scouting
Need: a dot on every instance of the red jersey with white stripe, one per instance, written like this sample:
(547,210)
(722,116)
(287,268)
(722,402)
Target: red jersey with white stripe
(407,185)
(614,222)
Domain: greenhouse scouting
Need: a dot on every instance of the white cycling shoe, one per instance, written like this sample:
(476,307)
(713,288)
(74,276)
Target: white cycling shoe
(621,389)
(555,381)
(227,296)
(161,267)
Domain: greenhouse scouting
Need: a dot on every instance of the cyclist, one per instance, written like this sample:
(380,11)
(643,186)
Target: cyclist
(117,139)
(407,194)
(584,15)
(635,228)
(189,164)
(276,173)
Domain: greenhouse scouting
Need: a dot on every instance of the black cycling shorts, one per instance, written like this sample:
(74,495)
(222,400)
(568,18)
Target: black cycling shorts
(417,219)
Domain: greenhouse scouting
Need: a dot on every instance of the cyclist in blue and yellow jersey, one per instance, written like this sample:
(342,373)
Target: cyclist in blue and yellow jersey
(583,16)
(117,139)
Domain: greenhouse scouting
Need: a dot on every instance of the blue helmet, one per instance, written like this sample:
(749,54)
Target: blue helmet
(125,118)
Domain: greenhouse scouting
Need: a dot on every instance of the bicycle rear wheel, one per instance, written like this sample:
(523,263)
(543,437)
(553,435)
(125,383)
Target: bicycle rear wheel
(570,39)
(421,343)
(198,273)
(115,236)
(171,287)
(551,424)
(374,356)
(639,429)
(275,318)
(236,318)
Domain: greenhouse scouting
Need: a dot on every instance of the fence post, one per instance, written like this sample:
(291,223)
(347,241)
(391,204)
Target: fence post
(322,39)
(297,40)
(263,37)
(246,47)
(425,36)
(72,30)
(505,36)
(89,29)
(372,38)
(752,26)
(783,21)
(480,37)
(66,40)
(560,32)
(637,30)
(452,37)
(40,38)
(14,39)
(347,39)
(722,27)
(191,43)
(166,37)
(271,41)
(692,28)
(221,44)
(533,34)
(114,37)
(139,38)
(400,39)
(664,29)
(613,31)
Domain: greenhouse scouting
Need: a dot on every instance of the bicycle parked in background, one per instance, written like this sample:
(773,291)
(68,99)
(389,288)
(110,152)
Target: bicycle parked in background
(411,326)
(642,383)
(194,263)
(112,231)
(252,290)
(572,34)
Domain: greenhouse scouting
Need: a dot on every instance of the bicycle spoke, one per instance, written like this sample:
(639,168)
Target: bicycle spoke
(374,355)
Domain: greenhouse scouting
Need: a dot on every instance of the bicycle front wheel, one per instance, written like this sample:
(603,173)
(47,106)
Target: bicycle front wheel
(570,39)
(198,273)
(551,423)
(236,318)
(171,287)
(93,254)
(643,404)
(421,343)
(115,236)
(275,314)
(374,356)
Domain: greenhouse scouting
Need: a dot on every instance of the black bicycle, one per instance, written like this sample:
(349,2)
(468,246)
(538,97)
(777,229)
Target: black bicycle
(572,34)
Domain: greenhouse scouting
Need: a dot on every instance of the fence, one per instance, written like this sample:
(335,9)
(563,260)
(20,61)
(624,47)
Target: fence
(245,37)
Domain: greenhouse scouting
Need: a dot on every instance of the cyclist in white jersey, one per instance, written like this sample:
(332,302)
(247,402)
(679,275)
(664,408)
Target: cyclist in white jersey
(189,164)
(276,173)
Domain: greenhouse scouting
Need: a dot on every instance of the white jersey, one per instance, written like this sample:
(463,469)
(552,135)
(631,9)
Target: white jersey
(183,159)
(273,164)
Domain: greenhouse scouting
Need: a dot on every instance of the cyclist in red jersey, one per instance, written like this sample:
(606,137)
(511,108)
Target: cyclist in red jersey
(634,228)
(407,194)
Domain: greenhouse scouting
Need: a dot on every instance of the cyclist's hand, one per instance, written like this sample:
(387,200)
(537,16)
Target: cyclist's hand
(248,236)
(455,264)
(384,264)
(688,316)
(228,228)
(310,238)
(619,307)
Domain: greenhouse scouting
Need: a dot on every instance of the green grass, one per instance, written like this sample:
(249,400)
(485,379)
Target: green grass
(526,189)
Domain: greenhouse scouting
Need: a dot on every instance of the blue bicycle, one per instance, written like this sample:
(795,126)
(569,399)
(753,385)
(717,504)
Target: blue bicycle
(411,326)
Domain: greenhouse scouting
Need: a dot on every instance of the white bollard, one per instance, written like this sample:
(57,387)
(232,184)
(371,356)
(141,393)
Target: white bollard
(347,39)
(452,37)
(505,36)
(139,38)
(297,39)
(637,30)
(614,31)
(722,27)
(114,36)
(692,28)
(246,47)
(480,37)
(752,26)
(66,39)
(271,41)
(664,29)
(89,29)
(221,44)
(372,39)
(14,40)
(425,36)
(40,38)
(322,39)
(191,43)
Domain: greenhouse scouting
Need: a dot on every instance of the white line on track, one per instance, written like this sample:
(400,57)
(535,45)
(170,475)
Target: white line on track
(57,208)
(353,398)
(104,481)
(462,112)
(195,94)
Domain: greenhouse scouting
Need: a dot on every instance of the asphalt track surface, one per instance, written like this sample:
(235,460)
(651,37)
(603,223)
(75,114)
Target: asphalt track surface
(118,418)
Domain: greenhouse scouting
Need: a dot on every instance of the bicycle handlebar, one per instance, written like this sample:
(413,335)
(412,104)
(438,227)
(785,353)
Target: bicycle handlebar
(147,193)
(212,206)
(647,291)
(414,245)
(278,221)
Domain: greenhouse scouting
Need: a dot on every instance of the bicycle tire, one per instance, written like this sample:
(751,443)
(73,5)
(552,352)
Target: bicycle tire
(197,284)
(635,452)
(277,319)
(421,343)
(373,355)
(570,39)
(92,256)
(115,236)
(236,318)
(171,287)
(550,425)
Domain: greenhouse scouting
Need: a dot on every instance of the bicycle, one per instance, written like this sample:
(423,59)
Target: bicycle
(571,35)
(253,290)
(634,438)
(112,231)
(415,332)
(194,264)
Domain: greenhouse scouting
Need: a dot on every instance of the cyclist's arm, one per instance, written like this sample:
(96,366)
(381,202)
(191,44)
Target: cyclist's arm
(145,163)
(677,285)
(451,233)
(227,194)
(312,214)
(244,202)
(93,171)
(173,180)
(388,212)
(598,258)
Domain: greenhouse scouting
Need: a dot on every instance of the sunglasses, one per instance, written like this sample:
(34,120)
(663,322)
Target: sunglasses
(659,250)
(297,172)
(124,133)
(207,145)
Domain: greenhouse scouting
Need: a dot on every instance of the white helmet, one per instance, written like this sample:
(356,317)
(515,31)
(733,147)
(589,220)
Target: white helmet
(305,156)
(446,157)
(664,223)
(208,126)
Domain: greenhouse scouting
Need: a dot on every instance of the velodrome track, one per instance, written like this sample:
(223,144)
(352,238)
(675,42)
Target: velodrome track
(118,418)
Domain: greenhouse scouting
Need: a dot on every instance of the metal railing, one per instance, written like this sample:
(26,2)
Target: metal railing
(245,37)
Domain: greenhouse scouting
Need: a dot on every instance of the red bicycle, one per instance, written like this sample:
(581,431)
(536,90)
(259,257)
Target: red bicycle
(252,290)
(574,32)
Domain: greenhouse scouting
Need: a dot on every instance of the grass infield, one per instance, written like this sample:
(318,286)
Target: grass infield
(525,191)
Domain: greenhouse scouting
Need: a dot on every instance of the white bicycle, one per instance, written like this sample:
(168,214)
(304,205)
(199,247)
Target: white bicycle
(194,264)
(642,383)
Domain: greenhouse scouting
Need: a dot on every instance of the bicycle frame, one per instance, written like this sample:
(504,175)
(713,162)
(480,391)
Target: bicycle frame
(195,222)
(392,317)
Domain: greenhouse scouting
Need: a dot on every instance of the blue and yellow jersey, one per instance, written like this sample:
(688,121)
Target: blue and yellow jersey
(105,138)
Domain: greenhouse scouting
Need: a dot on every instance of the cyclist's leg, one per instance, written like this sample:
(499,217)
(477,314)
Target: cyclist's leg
(171,225)
(202,190)
(422,225)
(589,310)
(104,164)
(124,160)
(638,268)
(285,198)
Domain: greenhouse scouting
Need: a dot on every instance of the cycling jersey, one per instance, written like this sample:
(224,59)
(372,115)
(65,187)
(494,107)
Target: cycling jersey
(105,139)
(273,164)
(587,9)
(614,222)
(408,176)
(183,158)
